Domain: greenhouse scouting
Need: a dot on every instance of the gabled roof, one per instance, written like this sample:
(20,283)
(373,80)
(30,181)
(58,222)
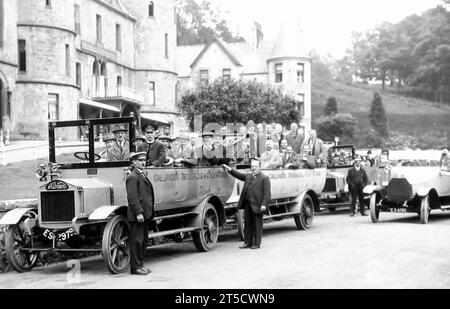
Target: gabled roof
(221,46)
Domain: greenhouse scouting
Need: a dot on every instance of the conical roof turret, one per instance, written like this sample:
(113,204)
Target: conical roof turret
(289,42)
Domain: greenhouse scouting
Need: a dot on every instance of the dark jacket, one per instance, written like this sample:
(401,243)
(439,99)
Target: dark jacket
(156,153)
(139,195)
(296,142)
(256,191)
(354,177)
(292,160)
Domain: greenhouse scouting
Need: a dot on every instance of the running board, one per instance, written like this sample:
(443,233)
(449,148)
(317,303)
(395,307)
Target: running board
(171,232)
(286,214)
(184,214)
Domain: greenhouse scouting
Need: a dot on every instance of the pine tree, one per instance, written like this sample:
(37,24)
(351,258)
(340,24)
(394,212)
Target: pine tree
(377,116)
(331,107)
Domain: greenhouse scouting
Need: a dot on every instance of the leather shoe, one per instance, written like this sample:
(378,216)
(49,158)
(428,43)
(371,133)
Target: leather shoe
(364,214)
(244,246)
(255,247)
(139,271)
(352,214)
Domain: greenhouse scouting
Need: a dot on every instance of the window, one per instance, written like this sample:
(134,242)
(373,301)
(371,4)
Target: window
(103,80)
(53,106)
(67,60)
(77,19)
(2,23)
(48,4)
(226,74)
(8,103)
(204,78)
(166,46)
(151,9)
(22,56)
(278,73)
(78,74)
(300,72)
(118,37)
(99,29)
(95,78)
(301,103)
(152,93)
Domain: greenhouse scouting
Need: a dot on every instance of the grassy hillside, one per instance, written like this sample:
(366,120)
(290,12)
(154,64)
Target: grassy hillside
(413,122)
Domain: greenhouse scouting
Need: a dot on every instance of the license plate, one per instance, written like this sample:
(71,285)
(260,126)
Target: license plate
(59,236)
(398,210)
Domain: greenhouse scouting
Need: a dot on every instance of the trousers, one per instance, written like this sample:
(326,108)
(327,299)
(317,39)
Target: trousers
(253,226)
(138,243)
(356,191)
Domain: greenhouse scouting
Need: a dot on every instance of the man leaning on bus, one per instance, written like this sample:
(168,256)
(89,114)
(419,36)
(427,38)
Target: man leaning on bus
(254,199)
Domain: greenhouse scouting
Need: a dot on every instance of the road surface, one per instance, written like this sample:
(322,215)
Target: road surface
(337,252)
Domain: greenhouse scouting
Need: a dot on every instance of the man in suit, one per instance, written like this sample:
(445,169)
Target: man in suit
(278,136)
(140,211)
(255,197)
(261,138)
(315,147)
(270,159)
(357,180)
(294,139)
(120,151)
(156,154)
(290,159)
(207,152)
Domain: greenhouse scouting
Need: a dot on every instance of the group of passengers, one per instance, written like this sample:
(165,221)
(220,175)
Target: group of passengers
(276,148)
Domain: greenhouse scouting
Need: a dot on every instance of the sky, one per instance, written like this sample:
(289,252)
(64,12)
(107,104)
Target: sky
(327,24)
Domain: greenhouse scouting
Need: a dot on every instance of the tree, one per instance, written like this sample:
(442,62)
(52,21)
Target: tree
(331,107)
(377,116)
(200,23)
(235,101)
(340,125)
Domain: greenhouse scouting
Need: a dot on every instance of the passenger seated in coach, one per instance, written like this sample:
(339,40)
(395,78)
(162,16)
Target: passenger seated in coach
(270,159)
(290,159)
(167,142)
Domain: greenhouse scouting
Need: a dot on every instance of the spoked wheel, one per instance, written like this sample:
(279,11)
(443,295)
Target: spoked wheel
(16,240)
(206,238)
(305,218)
(425,210)
(115,244)
(240,219)
(374,209)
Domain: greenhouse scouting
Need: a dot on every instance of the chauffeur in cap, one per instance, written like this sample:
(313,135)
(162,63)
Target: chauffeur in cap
(357,180)
(140,211)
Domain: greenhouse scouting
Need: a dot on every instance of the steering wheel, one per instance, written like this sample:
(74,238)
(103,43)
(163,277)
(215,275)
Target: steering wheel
(84,156)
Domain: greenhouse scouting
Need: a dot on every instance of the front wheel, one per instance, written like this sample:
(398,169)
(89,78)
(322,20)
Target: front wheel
(425,210)
(374,209)
(206,238)
(17,244)
(115,244)
(304,219)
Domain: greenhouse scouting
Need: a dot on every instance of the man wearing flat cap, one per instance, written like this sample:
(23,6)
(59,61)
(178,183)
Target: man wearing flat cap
(156,154)
(121,149)
(109,141)
(140,211)
(357,180)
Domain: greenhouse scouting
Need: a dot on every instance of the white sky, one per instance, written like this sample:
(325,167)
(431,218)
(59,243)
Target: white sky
(327,24)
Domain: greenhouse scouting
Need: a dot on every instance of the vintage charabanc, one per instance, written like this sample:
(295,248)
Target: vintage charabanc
(411,189)
(82,203)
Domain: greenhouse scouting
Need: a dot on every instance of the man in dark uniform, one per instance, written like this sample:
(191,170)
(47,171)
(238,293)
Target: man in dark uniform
(140,211)
(357,180)
(156,154)
(254,199)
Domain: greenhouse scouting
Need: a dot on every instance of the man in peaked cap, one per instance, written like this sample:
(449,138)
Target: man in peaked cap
(140,211)
(156,154)
(357,180)
(121,149)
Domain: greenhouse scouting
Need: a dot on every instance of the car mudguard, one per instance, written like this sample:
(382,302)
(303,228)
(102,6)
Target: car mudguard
(423,191)
(369,189)
(103,212)
(13,216)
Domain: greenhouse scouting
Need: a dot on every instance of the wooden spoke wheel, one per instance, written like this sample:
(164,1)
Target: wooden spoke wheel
(206,238)
(305,218)
(240,220)
(16,240)
(115,244)
(425,210)
(374,208)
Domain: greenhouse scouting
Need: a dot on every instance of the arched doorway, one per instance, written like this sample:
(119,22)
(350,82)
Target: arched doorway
(2,103)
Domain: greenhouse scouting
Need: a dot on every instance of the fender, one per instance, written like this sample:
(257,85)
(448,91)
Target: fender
(13,216)
(299,200)
(103,212)
(369,189)
(423,191)
(196,221)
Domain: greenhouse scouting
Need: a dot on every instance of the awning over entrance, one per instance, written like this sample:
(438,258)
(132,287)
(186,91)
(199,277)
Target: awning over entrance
(157,118)
(99,105)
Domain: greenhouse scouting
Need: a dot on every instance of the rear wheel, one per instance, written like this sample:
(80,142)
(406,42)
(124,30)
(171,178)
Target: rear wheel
(424,210)
(374,209)
(305,217)
(17,241)
(206,238)
(115,244)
